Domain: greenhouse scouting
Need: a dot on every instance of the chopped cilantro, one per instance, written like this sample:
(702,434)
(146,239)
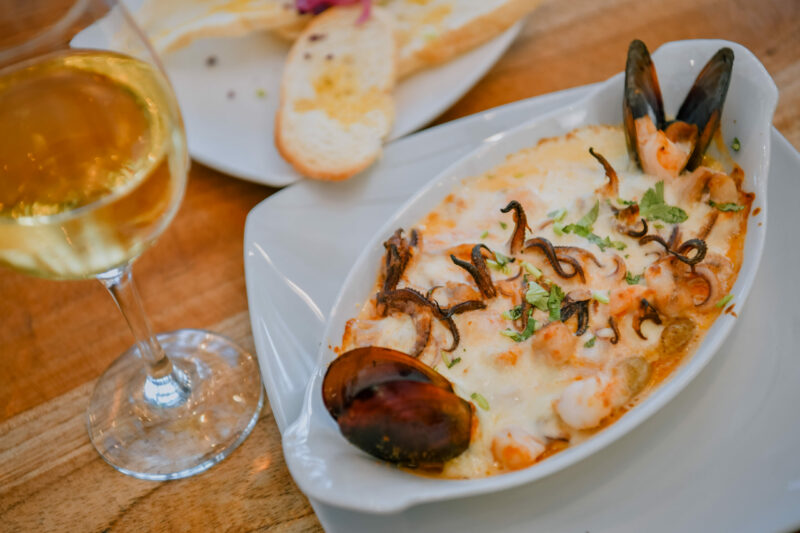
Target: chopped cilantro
(736,145)
(484,234)
(450,363)
(722,303)
(532,270)
(625,202)
(583,228)
(558,228)
(600,296)
(500,267)
(503,225)
(502,259)
(557,215)
(631,279)
(590,342)
(529,330)
(554,300)
(480,400)
(536,296)
(513,314)
(653,207)
(658,225)
(727,206)
(261,93)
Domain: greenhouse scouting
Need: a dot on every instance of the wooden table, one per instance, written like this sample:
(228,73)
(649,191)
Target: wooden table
(57,338)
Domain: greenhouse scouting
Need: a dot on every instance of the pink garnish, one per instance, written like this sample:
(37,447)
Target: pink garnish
(318,6)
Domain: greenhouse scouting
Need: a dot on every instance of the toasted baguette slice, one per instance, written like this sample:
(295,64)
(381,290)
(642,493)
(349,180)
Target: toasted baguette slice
(336,104)
(173,24)
(433,31)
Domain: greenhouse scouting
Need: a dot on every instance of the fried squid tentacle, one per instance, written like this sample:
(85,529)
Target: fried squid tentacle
(478,270)
(520,224)
(611,188)
(646,312)
(555,260)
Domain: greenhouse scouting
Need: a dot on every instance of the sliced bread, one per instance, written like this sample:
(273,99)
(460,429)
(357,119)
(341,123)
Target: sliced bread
(336,104)
(433,31)
(173,24)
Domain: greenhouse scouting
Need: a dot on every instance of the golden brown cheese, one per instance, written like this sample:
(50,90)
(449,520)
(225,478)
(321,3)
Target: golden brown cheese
(534,397)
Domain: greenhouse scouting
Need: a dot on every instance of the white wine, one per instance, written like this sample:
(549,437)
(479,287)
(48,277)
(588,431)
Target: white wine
(92,162)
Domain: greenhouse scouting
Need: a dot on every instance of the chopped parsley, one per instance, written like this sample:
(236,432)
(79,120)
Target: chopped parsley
(554,300)
(600,296)
(480,400)
(632,279)
(513,314)
(450,363)
(537,296)
(500,267)
(532,270)
(590,342)
(736,145)
(524,335)
(583,228)
(727,206)
(722,303)
(653,207)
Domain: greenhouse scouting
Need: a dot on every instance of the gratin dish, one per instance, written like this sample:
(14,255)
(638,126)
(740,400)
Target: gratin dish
(327,468)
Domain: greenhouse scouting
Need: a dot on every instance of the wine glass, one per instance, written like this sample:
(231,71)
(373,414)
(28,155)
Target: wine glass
(93,167)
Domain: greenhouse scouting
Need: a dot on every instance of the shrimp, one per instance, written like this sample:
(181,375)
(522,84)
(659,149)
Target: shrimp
(678,288)
(555,341)
(721,187)
(515,448)
(585,403)
(664,153)
(624,299)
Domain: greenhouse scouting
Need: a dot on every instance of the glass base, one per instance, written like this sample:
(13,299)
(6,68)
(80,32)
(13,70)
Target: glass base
(183,423)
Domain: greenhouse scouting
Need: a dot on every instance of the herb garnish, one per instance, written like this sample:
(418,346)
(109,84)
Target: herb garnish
(529,330)
(632,279)
(722,303)
(653,207)
(503,225)
(727,206)
(484,234)
(450,363)
(532,270)
(736,145)
(590,342)
(554,300)
(583,228)
(480,400)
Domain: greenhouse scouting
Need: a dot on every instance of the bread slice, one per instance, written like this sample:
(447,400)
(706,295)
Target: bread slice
(173,24)
(336,105)
(433,31)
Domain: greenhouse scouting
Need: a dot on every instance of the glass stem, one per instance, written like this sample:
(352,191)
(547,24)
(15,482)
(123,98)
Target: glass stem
(166,385)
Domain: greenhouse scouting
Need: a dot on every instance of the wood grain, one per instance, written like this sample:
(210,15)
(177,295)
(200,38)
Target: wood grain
(56,338)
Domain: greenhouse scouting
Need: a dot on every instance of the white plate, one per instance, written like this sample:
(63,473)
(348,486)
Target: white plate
(328,468)
(721,456)
(235,134)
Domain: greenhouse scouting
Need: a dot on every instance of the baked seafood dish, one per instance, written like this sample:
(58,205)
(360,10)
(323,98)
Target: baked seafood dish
(541,300)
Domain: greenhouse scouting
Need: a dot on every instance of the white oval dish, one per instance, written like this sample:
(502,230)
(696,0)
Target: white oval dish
(328,468)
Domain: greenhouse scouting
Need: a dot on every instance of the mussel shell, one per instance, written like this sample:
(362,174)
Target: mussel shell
(361,368)
(703,104)
(642,94)
(412,423)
